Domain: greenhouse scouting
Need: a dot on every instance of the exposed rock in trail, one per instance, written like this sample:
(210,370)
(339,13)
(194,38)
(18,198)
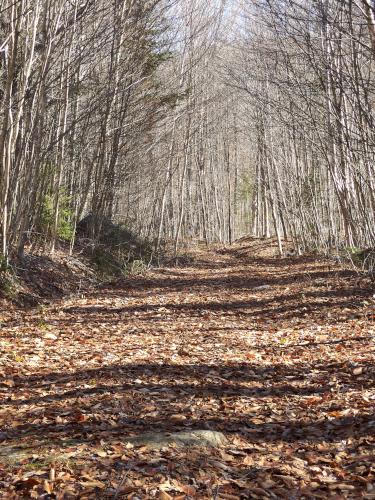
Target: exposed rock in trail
(14,454)
(203,438)
(262,287)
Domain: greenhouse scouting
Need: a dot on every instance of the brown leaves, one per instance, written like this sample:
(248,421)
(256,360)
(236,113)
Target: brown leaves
(7,383)
(358,370)
(177,418)
(27,484)
(89,485)
(163,495)
(79,417)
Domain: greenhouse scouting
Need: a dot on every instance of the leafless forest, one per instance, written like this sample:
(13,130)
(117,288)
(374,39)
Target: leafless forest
(188,119)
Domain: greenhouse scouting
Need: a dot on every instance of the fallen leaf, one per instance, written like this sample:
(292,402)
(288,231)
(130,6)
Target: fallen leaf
(50,336)
(177,418)
(92,484)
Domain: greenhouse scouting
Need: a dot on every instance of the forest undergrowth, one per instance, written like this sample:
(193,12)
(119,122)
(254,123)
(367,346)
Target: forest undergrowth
(275,354)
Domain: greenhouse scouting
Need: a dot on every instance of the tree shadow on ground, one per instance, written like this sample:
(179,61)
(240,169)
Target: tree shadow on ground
(233,280)
(199,373)
(278,308)
(129,399)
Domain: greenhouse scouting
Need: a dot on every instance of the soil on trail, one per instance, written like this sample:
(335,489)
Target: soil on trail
(275,354)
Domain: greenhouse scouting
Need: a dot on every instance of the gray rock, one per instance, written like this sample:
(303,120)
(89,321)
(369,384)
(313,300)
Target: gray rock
(13,454)
(262,287)
(201,438)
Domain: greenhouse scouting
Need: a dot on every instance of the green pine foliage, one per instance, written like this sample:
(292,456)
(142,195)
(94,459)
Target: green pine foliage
(65,227)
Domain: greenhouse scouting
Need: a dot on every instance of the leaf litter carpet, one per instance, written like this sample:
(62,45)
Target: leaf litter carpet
(276,354)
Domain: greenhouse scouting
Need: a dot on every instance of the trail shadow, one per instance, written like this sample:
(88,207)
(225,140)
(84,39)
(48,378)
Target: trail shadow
(233,281)
(252,253)
(325,429)
(198,373)
(343,303)
(133,398)
(277,308)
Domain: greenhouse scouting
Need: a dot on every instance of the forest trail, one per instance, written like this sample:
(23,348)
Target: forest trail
(277,354)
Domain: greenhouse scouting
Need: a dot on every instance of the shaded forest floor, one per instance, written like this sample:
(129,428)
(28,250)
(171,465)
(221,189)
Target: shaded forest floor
(277,354)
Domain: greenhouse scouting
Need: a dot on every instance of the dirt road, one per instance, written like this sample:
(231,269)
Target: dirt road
(277,355)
